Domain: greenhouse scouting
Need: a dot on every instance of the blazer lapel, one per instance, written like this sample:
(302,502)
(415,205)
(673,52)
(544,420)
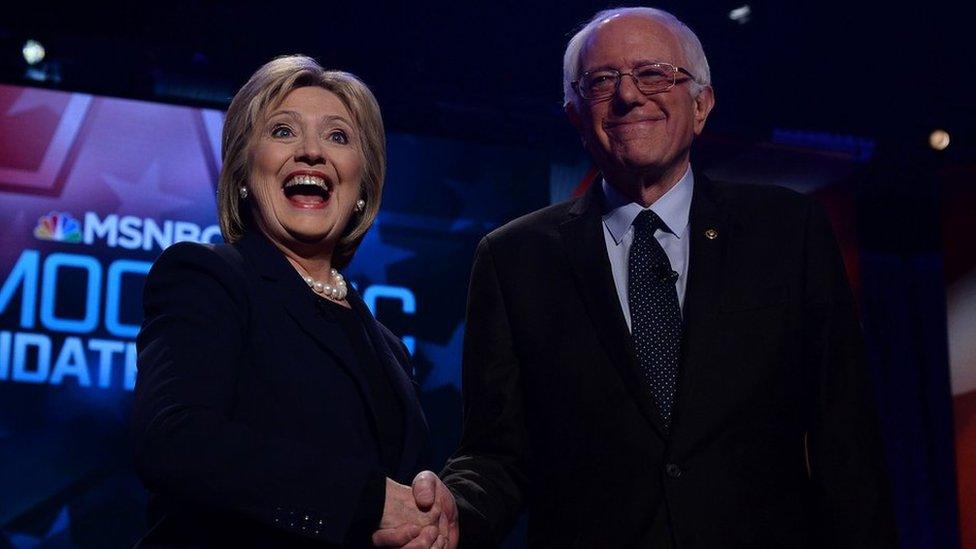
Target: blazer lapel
(710,232)
(583,240)
(414,422)
(302,306)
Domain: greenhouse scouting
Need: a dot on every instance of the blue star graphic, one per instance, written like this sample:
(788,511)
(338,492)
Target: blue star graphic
(473,204)
(374,256)
(445,361)
(26,541)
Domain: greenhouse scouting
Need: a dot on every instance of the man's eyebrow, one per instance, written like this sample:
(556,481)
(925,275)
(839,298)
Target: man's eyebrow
(605,67)
(609,67)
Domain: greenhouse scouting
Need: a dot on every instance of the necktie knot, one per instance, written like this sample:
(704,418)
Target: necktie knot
(648,221)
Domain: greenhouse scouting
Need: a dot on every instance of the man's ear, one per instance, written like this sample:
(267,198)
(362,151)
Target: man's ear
(573,115)
(703,105)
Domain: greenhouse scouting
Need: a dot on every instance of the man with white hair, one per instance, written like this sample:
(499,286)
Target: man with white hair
(665,361)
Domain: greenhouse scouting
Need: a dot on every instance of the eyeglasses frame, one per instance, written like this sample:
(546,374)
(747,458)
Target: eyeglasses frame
(674,69)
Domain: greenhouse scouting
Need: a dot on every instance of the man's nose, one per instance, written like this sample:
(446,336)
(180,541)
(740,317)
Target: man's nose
(627,91)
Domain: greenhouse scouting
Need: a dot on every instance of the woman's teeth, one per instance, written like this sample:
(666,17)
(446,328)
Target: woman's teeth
(307,180)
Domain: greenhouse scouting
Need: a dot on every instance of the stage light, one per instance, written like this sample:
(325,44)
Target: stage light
(33,52)
(741,14)
(939,139)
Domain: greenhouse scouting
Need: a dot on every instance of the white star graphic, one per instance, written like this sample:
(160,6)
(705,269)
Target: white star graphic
(145,197)
(35,99)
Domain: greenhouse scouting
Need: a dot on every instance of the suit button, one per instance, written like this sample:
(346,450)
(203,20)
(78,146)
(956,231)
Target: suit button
(672,470)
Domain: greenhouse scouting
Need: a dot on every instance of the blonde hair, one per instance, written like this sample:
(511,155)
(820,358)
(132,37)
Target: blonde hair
(267,88)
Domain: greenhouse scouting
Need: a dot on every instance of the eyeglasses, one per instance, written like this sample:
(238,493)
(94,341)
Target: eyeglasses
(650,79)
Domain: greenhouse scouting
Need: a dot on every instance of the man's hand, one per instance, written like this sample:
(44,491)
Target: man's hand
(432,495)
(403,524)
(431,501)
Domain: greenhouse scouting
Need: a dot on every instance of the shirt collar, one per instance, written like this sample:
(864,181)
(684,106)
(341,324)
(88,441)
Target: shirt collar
(673,208)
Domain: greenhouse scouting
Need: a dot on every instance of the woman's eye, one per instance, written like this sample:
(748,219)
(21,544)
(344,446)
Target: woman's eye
(339,137)
(281,131)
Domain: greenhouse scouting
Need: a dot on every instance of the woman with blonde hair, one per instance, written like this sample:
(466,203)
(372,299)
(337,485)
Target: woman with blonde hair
(271,408)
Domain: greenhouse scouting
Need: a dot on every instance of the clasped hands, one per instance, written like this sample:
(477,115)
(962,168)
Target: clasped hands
(423,515)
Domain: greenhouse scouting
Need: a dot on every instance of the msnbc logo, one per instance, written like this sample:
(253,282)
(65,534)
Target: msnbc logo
(58,226)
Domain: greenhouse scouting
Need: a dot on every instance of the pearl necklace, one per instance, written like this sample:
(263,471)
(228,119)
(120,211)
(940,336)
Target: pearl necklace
(336,291)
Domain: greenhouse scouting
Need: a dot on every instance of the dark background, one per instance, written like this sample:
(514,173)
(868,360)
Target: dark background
(490,75)
(492,71)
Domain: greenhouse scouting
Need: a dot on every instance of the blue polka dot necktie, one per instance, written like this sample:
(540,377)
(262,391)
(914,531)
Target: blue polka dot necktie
(655,316)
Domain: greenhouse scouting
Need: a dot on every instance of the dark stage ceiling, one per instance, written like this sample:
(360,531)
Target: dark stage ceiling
(491,71)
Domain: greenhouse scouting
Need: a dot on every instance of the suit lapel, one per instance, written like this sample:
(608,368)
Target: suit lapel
(582,238)
(711,233)
(301,306)
(414,422)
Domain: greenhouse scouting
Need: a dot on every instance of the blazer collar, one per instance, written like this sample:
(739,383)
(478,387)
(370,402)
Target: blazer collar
(711,233)
(584,243)
(582,238)
(268,260)
(303,306)
(414,423)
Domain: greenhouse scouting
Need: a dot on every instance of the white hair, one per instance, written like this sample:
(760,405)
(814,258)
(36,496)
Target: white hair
(690,46)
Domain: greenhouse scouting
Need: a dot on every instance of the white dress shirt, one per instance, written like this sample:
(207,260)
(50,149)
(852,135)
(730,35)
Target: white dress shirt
(673,208)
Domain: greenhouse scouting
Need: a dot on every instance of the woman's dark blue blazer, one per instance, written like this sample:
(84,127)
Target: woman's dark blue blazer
(253,422)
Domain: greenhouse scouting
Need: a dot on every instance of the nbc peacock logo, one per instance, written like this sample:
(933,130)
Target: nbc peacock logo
(59,227)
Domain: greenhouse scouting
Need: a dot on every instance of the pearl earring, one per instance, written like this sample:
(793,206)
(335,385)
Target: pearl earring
(243,193)
(360,204)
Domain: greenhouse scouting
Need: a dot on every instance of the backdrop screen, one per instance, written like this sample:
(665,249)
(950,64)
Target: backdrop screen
(92,189)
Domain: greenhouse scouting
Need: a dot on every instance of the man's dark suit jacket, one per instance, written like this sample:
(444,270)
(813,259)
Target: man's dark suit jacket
(774,440)
(253,422)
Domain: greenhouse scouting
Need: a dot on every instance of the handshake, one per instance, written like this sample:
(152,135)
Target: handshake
(423,515)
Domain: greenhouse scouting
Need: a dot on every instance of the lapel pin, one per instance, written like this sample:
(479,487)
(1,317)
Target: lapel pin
(711,234)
